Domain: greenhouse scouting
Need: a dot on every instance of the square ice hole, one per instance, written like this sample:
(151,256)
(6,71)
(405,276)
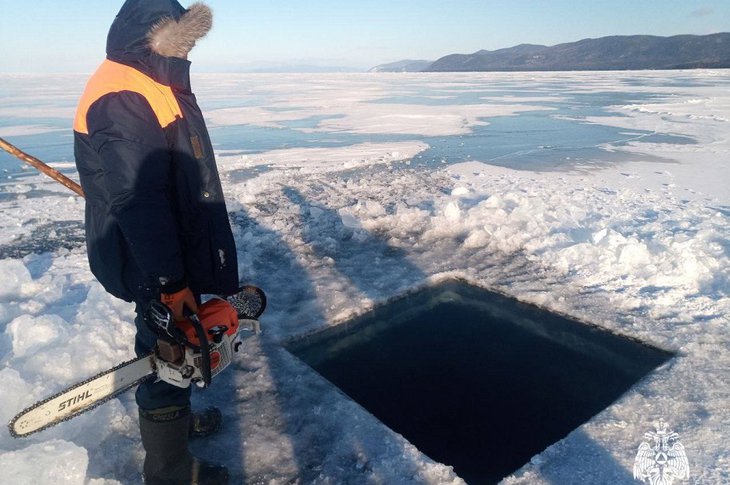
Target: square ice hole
(474,379)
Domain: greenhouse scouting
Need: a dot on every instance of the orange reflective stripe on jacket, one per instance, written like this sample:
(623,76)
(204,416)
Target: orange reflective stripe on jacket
(112,77)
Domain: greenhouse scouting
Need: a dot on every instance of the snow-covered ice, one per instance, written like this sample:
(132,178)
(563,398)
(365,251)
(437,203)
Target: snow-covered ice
(640,247)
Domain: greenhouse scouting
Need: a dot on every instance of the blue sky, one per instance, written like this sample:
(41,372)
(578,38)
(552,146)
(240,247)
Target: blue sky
(54,36)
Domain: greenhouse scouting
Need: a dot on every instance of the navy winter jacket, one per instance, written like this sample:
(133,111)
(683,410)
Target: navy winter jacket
(155,214)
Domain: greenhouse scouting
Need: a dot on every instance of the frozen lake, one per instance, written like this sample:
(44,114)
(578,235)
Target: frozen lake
(548,122)
(600,196)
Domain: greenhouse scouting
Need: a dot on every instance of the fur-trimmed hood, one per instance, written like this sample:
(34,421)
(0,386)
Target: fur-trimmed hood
(172,37)
(151,35)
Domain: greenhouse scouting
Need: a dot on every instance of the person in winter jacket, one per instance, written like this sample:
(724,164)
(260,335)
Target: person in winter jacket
(157,227)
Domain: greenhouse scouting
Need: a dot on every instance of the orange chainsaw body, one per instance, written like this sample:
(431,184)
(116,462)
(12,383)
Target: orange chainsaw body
(212,313)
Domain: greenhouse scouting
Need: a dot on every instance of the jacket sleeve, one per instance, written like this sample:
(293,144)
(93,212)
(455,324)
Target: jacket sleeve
(136,170)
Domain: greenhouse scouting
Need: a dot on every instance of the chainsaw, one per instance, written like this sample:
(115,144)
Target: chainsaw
(194,350)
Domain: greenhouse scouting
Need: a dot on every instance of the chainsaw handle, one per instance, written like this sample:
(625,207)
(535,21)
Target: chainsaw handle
(159,317)
(204,349)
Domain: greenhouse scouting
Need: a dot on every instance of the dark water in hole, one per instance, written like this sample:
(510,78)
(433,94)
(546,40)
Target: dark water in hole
(476,380)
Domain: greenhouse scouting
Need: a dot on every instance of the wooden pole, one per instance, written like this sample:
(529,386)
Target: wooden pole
(51,172)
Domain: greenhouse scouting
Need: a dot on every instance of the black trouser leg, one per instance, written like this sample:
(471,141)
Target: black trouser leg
(168,462)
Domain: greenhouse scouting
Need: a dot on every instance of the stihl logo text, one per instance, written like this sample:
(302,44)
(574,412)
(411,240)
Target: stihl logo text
(74,400)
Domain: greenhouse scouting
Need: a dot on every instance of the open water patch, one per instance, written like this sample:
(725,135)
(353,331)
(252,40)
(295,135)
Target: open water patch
(474,379)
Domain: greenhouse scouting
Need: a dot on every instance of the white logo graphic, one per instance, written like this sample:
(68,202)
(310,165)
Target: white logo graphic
(661,458)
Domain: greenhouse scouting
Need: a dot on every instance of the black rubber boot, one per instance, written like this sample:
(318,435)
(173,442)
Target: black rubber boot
(205,423)
(168,462)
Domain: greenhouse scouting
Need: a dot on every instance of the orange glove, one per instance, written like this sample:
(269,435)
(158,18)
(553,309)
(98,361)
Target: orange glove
(178,301)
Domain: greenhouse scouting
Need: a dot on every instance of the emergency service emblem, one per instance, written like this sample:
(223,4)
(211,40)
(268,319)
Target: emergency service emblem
(661,459)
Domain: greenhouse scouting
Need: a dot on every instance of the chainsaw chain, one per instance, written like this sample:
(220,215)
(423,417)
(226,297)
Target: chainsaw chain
(11,425)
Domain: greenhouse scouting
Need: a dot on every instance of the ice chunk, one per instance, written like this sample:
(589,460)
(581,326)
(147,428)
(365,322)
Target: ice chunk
(452,212)
(15,394)
(29,333)
(374,209)
(58,462)
(349,220)
(15,275)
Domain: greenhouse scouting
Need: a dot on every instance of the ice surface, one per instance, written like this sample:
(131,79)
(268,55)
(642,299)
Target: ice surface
(316,160)
(701,114)
(346,103)
(22,130)
(640,248)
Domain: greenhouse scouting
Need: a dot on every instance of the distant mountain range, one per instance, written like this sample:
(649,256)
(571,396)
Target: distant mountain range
(605,53)
(407,65)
